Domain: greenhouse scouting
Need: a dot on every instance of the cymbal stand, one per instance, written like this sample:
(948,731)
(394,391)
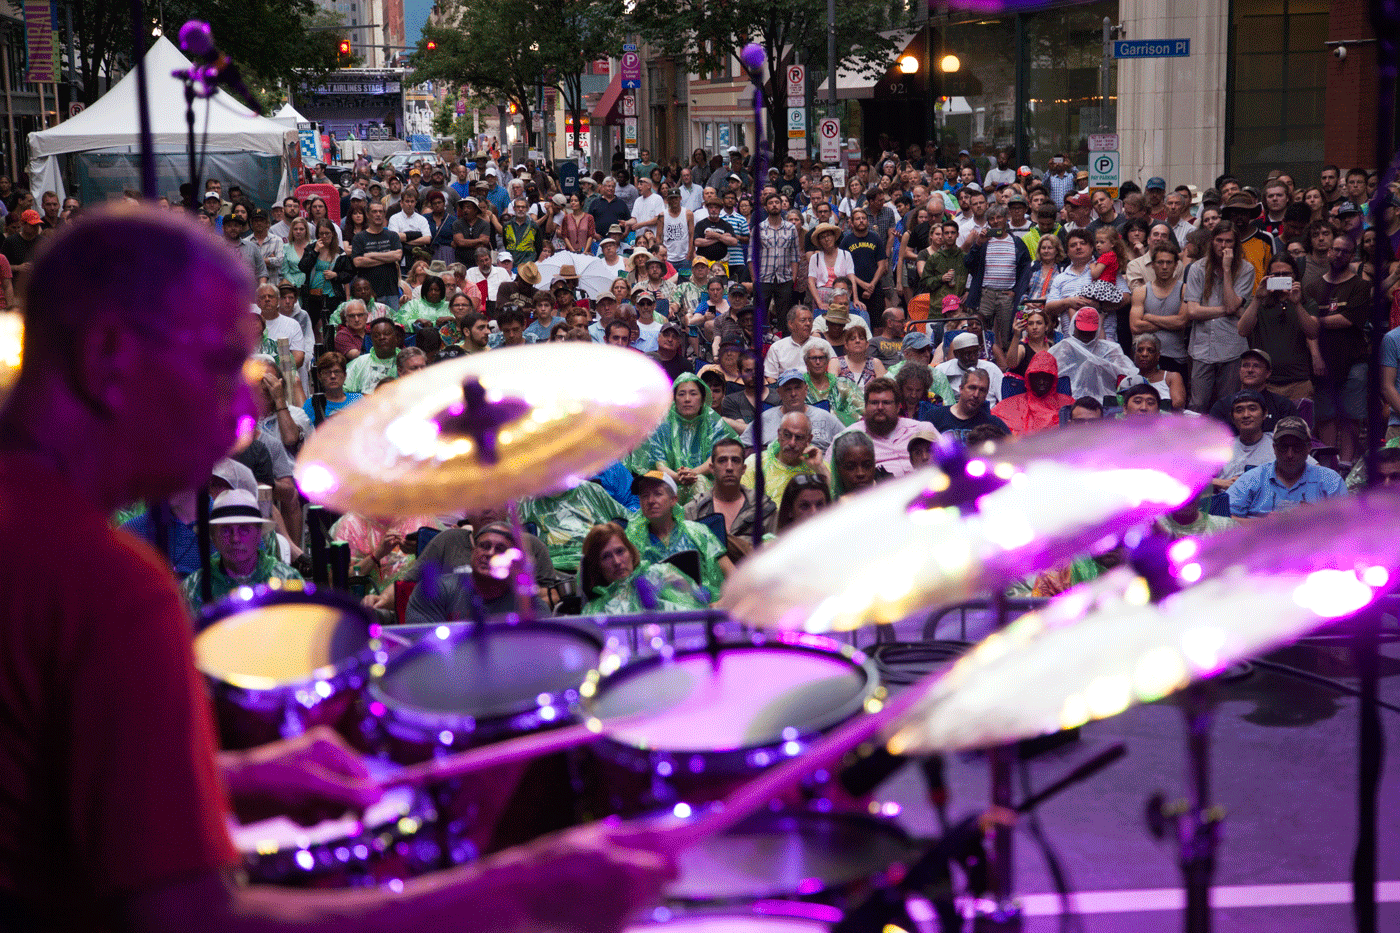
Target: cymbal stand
(1001,911)
(1196,823)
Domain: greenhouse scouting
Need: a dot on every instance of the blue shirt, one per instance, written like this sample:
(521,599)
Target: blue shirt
(541,330)
(1390,356)
(1260,492)
(616,480)
(182,542)
(331,407)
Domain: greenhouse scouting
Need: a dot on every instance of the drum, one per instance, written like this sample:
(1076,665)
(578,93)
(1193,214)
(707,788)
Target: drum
(719,717)
(666,921)
(828,858)
(395,840)
(463,685)
(279,661)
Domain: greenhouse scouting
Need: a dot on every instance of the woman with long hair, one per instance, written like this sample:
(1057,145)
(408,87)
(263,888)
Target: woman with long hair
(1036,336)
(805,495)
(356,219)
(578,227)
(1216,288)
(1316,202)
(317,211)
(610,569)
(298,244)
(856,364)
(327,270)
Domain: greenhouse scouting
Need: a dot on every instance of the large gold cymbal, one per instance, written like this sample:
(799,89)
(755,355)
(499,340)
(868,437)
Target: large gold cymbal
(556,414)
(915,543)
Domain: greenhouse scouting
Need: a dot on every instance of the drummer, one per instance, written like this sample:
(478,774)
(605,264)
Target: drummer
(237,528)
(112,804)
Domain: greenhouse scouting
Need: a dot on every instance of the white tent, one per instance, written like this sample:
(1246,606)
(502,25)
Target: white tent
(288,116)
(114,121)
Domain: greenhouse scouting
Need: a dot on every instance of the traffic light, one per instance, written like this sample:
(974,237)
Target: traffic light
(345,52)
(431,46)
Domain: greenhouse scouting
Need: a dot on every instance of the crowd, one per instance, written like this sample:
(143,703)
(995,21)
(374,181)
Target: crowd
(914,301)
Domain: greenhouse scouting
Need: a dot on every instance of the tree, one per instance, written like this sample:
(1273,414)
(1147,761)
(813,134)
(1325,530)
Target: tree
(705,33)
(268,39)
(511,49)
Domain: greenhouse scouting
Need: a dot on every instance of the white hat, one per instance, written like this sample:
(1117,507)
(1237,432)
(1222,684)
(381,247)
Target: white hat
(491,170)
(964,340)
(504,256)
(237,507)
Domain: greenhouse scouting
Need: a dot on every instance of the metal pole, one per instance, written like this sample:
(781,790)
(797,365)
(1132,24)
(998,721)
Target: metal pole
(1103,74)
(930,83)
(9,109)
(831,57)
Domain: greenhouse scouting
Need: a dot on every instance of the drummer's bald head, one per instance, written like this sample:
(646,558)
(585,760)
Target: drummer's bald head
(127,262)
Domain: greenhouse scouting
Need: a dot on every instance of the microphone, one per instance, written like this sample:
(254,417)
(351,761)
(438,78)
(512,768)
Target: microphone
(218,69)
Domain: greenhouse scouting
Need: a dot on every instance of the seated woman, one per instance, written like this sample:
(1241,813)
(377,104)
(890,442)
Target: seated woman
(804,496)
(614,579)
(680,446)
(845,400)
(429,306)
(853,464)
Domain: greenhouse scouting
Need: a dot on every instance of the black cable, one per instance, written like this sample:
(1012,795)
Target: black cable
(1069,919)
(903,663)
(1317,679)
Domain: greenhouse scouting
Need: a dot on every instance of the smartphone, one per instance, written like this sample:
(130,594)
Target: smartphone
(1278,283)
(663,308)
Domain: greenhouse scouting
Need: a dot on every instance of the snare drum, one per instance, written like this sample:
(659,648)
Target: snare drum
(394,841)
(461,686)
(280,661)
(666,921)
(827,858)
(720,718)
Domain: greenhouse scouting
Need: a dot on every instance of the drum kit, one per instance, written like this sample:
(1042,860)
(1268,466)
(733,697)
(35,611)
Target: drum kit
(488,732)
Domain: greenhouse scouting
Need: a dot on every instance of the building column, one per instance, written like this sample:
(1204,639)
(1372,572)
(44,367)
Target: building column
(1171,111)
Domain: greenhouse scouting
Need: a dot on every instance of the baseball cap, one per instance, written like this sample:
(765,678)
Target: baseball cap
(738,287)
(671,325)
(1259,355)
(1086,319)
(31,216)
(1135,385)
(1292,426)
(915,340)
(1345,208)
(607,240)
(285,286)
(1159,184)
(491,172)
(1016,198)
(359,194)
(1077,200)
(928,435)
(951,304)
(1024,170)
(965,341)
(1247,395)
(560,200)
(655,476)
(973,187)
(789,375)
(258,214)
(505,256)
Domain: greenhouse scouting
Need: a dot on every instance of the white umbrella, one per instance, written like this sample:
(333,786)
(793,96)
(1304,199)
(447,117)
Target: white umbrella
(594,276)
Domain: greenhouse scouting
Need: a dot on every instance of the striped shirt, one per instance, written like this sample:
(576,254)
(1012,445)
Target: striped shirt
(738,253)
(999,270)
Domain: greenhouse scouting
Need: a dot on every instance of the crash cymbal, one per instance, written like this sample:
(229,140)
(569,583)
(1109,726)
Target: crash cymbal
(944,535)
(485,429)
(1105,645)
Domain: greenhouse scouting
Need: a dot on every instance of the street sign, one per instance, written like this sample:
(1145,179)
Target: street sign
(797,85)
(829,139)
(629,105)
(1152,48)
(1103,142)
(797,123)
(75,108)
(631,69)
(629,132)
(1103,170)
(461,108)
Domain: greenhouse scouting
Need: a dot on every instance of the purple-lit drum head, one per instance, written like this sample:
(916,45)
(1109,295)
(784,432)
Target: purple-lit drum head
(803,855)
(279,662)
(733,923)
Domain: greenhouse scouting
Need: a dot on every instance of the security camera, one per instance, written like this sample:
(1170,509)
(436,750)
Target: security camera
(1340,53)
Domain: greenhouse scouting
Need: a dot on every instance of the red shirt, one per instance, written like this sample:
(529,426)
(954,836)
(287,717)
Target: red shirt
(108,779)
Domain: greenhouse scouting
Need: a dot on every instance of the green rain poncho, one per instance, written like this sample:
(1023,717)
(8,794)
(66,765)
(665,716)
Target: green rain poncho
(565,519)
(685,536)
(674,592)
(683,443)
(846,398)
(420,309)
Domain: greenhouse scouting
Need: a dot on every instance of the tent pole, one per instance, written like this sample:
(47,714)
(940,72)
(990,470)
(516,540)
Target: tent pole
(43,108)
(9,109)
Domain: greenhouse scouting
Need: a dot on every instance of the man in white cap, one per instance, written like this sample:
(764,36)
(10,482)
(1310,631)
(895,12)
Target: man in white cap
(236,527)
(967,356)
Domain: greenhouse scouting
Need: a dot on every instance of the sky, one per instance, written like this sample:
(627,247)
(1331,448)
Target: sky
(415,14)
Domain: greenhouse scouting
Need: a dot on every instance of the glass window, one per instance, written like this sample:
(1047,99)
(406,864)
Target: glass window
(1063,52)
(1277,84)
(976,105)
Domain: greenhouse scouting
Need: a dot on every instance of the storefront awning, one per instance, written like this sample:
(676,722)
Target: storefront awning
(607,110)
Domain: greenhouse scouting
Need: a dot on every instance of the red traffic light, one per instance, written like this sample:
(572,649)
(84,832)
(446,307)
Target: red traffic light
(344,46)
(431,46)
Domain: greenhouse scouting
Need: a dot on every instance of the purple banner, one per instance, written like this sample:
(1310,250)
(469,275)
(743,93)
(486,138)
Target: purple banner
(40,43)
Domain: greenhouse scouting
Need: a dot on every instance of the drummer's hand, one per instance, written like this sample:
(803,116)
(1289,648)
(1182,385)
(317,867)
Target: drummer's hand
(310,778)
(609,871)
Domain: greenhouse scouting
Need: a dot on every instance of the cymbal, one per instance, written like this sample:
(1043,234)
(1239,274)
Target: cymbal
(11,349)
(1105,646)
(484,429)
(936,538)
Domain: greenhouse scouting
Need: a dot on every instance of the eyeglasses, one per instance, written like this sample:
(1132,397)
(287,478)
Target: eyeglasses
(488,547)
(792,436)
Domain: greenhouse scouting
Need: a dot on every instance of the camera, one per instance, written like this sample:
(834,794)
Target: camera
(1340,53)
(1278,283)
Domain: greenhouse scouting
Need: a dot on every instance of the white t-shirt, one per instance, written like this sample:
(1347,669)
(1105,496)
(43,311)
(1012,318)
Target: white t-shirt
(648,208)
(402,224)
(954,372)
(494,281)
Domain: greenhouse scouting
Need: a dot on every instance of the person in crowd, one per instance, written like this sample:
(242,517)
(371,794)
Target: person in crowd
(966,348)
(999,271)
(828,265)
(1288,481)
(1063,298)
(1253,445)
(331,371)
(1254,369)
(790,351)
(376,252)
(802,498)
(853,464)
(789,454)
(614,576)
(730,498)
(483,588)
(428,308)
(352,337)
(969,410)
(1139,397)
(1034,336)
(368,369)
(1038,408)
(670,355)
(856,362)
(236,529)
(886,428)
(1157,308)
(563,520)
(1093,364)
(1147,354)
(792,392)
(1343,299)
(659,530)
(842,396)
(681,446)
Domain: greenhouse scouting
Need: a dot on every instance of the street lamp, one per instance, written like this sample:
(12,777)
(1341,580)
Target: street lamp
(908,64)
(949,63)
